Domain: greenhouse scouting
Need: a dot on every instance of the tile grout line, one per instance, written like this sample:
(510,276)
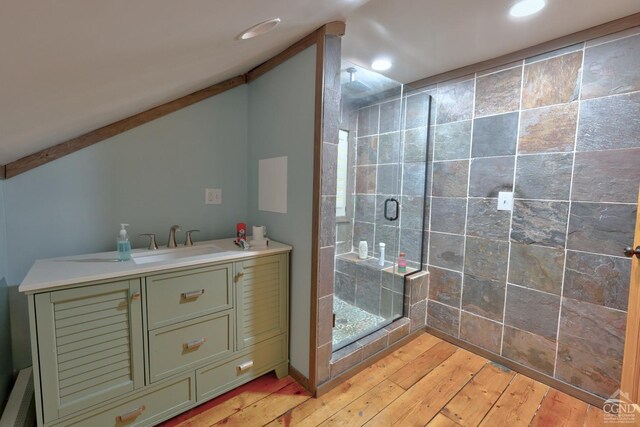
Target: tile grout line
(466,213)
(566,239)
(507,67)
(483,318)
(545,153)
(513,189)
(634,92)
(542,200)
(615,39)
(533,290)
(559,54)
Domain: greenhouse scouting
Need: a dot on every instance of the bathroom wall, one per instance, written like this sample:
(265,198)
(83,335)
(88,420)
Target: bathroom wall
(152,177)
(281,123)
(6,366)
(545,285)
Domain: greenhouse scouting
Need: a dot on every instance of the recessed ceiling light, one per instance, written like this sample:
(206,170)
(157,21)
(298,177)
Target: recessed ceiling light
(381,64)
(524,8)
(259,29)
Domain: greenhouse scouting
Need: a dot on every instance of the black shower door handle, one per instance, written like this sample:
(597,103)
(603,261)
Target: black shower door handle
(386,209)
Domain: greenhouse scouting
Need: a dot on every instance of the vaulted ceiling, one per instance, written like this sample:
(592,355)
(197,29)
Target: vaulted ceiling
(71,66)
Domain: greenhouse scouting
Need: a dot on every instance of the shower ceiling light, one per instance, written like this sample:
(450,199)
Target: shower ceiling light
(259,29)
(381,64)
(524,8)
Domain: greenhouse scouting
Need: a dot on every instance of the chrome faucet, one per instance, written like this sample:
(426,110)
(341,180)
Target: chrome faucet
(172,236)
(189,241)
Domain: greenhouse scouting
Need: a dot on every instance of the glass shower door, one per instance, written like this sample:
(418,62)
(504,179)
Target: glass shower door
(368,292)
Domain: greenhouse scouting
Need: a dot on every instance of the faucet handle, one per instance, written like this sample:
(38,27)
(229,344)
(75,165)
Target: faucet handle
(189,241)
(152,241)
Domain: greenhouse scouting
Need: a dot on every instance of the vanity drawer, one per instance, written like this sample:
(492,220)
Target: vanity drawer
(214,380)
(175,297)
(180,347)
(161,402)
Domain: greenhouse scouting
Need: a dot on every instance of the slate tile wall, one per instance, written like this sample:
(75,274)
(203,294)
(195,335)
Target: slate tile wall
(545,285)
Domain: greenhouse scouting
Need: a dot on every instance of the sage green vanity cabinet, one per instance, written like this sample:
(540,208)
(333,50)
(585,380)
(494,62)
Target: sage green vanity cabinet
(182,295)
(90,345)
(139,350)
(178,348)
(261,293)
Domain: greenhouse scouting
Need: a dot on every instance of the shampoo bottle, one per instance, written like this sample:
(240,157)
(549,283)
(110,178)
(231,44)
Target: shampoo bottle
(124,246)
(402,263)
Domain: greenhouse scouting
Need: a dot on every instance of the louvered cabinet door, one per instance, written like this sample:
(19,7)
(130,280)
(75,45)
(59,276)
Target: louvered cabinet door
(262,295)
(89,345)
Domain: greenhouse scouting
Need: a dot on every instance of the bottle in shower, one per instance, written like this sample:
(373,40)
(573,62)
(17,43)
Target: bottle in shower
(402,263)
(381,260)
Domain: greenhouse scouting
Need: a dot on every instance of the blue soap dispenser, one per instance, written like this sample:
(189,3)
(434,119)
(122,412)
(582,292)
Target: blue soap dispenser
(124,246)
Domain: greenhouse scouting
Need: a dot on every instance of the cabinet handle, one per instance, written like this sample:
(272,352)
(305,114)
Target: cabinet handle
(245,366)
(192,294)
(135,296)
(194,344)
(131,415)
(239,276)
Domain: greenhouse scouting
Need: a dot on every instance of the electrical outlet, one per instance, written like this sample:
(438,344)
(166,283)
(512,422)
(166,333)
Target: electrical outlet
(213,196)
(505,201)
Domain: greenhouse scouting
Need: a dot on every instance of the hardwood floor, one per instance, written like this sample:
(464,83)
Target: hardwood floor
(426,382)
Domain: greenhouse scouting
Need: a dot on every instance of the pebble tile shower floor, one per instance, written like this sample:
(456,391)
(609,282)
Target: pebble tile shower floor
(351,320)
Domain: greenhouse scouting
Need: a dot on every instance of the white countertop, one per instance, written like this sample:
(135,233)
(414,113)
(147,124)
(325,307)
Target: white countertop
(54,273)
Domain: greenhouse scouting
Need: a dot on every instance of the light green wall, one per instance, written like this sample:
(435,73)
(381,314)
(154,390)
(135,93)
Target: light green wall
(281,122)
(152,177)
(6,367)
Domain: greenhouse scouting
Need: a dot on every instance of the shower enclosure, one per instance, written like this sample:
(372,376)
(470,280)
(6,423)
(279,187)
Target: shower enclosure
(380,200)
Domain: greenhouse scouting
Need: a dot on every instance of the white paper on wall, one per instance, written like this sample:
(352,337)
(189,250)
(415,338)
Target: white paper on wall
(272,185)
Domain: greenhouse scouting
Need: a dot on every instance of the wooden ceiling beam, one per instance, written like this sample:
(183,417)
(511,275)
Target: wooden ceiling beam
(93,137)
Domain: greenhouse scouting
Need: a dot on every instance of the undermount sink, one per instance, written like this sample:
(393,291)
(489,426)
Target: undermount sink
(172,254)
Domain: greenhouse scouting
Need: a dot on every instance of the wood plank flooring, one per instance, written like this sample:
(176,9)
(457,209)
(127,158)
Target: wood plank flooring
(426,382)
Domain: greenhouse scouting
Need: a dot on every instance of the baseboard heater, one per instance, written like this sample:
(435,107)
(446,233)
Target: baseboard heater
(21,407)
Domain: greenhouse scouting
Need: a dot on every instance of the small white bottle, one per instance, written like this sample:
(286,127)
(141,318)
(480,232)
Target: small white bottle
(363,249)
(124,246)
(381,260)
